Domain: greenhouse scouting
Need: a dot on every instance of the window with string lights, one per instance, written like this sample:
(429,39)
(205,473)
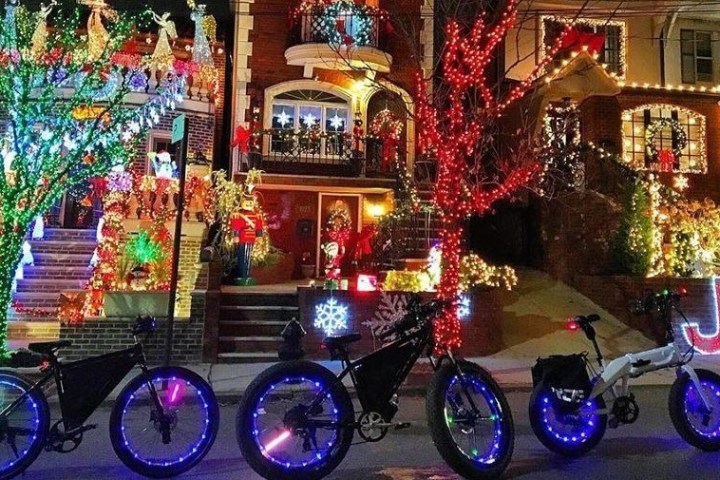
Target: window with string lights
(664,138)
(313,121)
(605,38)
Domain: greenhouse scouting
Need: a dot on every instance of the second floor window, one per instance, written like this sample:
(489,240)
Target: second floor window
(612,53)
(696,49)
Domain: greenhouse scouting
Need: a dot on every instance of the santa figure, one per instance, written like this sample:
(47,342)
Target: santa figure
(163,164)
(247,227)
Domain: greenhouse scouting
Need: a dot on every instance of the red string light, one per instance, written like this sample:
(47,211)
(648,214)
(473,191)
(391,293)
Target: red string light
(455,129)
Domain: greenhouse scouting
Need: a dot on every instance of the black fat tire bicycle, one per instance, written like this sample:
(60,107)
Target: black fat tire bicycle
(296,420)
(162,424)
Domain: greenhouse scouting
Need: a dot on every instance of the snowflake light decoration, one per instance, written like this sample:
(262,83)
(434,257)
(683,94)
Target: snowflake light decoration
(337,122)
(309,120)
(464,307)
(331,316)
(283,119)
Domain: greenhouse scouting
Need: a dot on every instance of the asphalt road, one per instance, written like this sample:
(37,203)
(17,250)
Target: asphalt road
(649,449)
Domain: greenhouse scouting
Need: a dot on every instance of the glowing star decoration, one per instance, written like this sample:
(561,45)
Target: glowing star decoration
(681,182)
(337,122)
(331,316)
(309,120)
(464,307)
(283,119)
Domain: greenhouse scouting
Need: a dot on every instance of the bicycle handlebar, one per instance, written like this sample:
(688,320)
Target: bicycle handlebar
(652,300)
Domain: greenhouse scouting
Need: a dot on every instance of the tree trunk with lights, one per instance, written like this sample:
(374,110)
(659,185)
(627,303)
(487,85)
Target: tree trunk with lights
(457,128)
(11,242)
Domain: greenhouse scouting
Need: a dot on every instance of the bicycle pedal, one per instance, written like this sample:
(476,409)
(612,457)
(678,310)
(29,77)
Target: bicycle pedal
(402,425)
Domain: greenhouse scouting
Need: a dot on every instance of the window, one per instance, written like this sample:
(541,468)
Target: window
(696,56)
(316,122)
(664,138)
(612,53)
(561,151)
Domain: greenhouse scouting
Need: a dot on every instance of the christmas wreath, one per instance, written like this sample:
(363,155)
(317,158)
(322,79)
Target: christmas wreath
(388,127)
(333,23)
(343,215)
(666,156)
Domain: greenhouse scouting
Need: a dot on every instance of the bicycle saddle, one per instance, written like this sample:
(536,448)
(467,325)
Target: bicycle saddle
(47,348)
(332,343)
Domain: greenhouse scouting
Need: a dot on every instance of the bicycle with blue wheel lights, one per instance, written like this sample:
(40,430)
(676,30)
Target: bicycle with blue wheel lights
(163,422)
(573,402)
(296,420)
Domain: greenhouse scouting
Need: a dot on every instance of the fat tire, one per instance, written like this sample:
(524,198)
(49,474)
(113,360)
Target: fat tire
(243,422)
(537,424)
(139,382)
(43,429)
(441,435)
(677,412)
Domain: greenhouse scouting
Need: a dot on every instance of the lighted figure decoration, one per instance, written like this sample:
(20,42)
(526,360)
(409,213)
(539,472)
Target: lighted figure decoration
(392,307)
(205,31)
(388,127)
(62,134)
(247,225)
(358,132)
(667,158)
(163,58)
(27,259)
(163,165)
(40,36)
(476,272)
(337,232)
(331,317)
(38,231)
(459,134)
(97,35)
(434,265)
(9,39)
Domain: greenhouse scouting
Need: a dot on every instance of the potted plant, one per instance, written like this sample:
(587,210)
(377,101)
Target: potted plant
(307,266)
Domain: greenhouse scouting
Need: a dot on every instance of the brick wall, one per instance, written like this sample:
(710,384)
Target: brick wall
(188,271)
(100,336)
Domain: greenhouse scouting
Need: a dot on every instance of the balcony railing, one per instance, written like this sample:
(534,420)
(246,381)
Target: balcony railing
(349,30)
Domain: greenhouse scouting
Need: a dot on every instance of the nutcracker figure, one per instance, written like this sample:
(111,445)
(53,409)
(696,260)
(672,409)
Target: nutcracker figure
(247,226)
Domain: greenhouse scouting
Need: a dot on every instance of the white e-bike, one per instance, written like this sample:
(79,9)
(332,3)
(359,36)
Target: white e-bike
(568,409)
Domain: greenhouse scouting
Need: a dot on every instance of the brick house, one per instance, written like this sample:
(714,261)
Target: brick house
(289,77)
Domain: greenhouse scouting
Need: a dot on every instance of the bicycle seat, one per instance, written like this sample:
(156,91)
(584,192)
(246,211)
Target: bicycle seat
(332,343)
(587,320)
(46,348)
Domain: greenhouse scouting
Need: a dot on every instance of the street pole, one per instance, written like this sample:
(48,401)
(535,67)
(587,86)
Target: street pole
(182,165)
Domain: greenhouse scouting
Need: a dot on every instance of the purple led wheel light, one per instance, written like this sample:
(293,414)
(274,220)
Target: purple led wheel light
(703,422)
(179,394)
(34,422)
(280,444)
(569,429)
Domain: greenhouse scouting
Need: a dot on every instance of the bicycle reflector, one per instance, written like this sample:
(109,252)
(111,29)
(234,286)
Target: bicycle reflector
(682,290)
(572,325)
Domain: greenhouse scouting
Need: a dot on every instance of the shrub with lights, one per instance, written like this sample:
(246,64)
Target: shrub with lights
(64,96)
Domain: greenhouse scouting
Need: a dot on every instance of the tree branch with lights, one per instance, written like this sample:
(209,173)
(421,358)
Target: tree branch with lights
(459,129)
(64,96)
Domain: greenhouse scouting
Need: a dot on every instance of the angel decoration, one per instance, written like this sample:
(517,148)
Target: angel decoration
(39,38)
(205,31)
(162,58)
(97,35)
(10,38)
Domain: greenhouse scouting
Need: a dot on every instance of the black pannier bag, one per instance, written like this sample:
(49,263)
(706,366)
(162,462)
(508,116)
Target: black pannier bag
(565,375)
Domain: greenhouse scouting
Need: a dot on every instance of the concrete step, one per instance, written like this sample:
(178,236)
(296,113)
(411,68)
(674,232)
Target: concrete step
(256,357)
(67,234)
(241,344)
(64,246)
(50,284)
(251,328)
(62,259)
(45,300)
(258,313)
(259,299)
(61,272)
(36,330)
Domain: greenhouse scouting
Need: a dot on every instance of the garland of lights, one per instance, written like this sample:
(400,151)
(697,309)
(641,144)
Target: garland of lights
(330,17)
(452,132)
(679,135)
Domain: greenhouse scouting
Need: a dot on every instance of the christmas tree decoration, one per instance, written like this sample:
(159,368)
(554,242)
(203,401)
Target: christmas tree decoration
(331,316)
(458,130)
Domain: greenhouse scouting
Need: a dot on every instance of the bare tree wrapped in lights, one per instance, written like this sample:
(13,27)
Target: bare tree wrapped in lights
(67,119)
(458,128)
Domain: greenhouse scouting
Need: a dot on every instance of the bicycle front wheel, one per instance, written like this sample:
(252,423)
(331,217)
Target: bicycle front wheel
(23,428)
(470,421)
(164,444)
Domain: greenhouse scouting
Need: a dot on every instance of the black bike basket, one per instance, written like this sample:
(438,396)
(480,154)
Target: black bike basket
(563,373)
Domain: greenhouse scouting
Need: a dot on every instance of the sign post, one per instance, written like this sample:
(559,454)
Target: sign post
(179,134)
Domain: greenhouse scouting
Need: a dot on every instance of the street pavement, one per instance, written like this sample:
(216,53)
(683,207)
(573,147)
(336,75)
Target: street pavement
(649,449)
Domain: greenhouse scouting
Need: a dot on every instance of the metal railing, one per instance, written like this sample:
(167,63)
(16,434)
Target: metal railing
(349,30)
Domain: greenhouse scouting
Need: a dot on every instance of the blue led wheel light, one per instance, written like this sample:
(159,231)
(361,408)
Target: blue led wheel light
(472,432)
(29,423)
(703,422)
(185,404)
(292,446)
(569,429)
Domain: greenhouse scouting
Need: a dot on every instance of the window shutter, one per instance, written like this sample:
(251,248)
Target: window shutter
(647,119)
(675,140)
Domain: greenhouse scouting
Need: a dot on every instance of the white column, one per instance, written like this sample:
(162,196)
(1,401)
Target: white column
(242,75)
(427,39)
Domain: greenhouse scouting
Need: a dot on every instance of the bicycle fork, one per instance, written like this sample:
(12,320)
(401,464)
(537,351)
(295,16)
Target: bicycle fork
(162,419)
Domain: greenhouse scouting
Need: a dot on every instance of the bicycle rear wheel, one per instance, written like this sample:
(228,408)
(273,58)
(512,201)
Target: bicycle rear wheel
(24,428)
(137,429)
